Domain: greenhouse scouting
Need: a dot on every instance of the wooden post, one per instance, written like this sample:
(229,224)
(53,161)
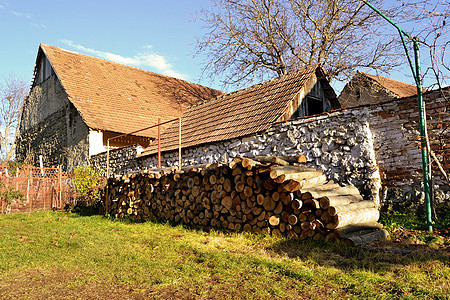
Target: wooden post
(179,143)
(107,158)
(41,164)
(60,187)
(159,143)
(107,178)
(17,178)
(30,188)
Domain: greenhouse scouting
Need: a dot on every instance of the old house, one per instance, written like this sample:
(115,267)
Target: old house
(77,102)
(364,89)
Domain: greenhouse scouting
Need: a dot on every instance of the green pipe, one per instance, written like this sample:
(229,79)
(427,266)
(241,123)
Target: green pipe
(423,142)
(422,119)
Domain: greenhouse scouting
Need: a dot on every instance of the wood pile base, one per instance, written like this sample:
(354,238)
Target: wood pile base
(266,195)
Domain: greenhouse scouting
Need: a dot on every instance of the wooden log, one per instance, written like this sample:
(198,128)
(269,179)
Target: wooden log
(334,210)
(277,233)
(327,201)
(260,199)
(278,209)
(282,227)
(248,191)
(279,161)
(292,186)
(269,204)
(296,204)
(274,220)
(277,171)
(331,189)
(239,186)
(355,217)
(249,163)
(311,204)
(264,159)
(298,176)
(227,185)
(346,230)
(227,202)
(287,198)
(359,238)
(269,184)
(308,183)
(292,219)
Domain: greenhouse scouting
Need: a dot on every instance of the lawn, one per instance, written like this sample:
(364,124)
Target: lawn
(65,255)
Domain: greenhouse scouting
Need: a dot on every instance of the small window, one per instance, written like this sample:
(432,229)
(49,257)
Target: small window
(315,106)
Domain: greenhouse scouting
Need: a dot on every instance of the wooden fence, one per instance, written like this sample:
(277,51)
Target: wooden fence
(43,189)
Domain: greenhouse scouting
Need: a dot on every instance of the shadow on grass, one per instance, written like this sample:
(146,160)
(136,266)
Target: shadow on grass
(345,257)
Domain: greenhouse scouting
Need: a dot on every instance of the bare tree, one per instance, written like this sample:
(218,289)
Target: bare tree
(432,28)
(256,39)
(13,91)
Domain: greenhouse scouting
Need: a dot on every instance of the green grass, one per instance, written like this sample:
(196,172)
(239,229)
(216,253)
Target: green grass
(55,254)
(415,227)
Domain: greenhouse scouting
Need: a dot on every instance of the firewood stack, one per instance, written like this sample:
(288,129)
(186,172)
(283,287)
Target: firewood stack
(262,195)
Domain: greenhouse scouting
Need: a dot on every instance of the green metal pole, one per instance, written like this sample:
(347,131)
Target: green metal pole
(423,142)
(422,119)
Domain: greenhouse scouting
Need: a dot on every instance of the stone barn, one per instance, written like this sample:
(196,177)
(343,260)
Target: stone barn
(77,102)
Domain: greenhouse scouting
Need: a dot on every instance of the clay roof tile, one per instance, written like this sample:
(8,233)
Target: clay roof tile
(120,98)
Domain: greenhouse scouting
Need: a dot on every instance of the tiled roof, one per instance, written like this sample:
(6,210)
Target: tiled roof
(236,114)
(118,98)
(401,89)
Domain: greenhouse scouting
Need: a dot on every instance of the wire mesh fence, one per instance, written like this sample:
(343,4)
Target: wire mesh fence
(42,189)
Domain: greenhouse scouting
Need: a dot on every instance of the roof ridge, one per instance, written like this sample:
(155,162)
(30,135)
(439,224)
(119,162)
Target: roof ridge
(254,86)
(383,77)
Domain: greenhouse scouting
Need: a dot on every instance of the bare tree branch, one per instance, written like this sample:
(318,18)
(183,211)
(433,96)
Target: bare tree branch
(13,91)
(432,19)
(257,39)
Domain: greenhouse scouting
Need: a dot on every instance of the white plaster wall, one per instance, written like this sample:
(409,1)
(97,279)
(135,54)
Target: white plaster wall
(96,142)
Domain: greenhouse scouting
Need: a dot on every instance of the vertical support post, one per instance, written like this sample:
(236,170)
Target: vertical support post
(422,116)
(107,178)
(60,187)
(41,164)
(30,188)
(107,158)
(159,143)
(423,141)
(179,143)
(17,178)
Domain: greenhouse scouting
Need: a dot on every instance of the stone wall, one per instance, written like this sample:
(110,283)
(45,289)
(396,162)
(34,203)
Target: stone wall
(52,127)
(121,160)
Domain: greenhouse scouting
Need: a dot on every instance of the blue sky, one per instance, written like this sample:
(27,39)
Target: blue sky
(152,35)
(158,36)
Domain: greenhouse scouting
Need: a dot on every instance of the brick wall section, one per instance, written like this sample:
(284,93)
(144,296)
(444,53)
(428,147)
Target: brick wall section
(395,128)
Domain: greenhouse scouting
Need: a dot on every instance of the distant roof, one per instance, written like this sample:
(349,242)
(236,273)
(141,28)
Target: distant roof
(119,98)
(242,112)
(401,89)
